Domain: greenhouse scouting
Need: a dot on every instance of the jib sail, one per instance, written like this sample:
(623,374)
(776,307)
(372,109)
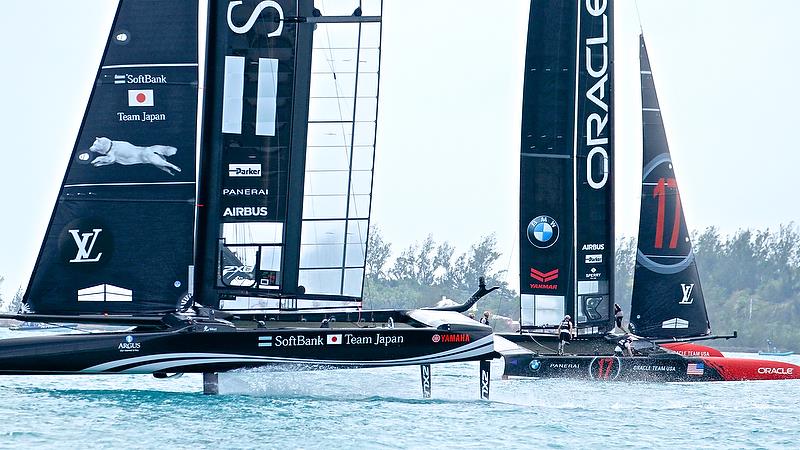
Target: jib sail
(290,118)
(566,185)
(667,298)
(120,237)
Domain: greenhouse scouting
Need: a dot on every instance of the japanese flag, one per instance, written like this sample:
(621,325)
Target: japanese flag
(140,97)
(334,339)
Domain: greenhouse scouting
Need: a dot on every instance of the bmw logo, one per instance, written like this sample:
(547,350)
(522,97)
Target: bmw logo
(535,364)
(543,232)
(129,339)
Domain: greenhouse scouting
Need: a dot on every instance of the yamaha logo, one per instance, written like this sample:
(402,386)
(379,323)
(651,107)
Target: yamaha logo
(436,338)
(543,232)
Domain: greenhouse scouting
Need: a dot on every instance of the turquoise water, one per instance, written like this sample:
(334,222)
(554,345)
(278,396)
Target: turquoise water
(383,408)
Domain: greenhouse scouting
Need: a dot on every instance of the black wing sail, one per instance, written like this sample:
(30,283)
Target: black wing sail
(120,237)
(566,182)
(667,298)
(594,243)
(547,165)
(288,148)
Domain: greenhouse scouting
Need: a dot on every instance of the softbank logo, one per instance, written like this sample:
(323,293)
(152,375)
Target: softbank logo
(85,243)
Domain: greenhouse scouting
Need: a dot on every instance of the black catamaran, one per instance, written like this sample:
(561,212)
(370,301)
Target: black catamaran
(667,303)
(250,251)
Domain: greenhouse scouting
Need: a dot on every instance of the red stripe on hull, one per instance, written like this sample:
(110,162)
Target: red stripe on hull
(739,369)
(692,349)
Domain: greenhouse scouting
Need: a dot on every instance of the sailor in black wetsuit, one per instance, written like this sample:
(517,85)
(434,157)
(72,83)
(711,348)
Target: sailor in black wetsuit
(618,315)
(564,333)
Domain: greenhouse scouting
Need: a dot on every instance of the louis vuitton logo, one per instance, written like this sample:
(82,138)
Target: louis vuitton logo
(687,294)
(85,243)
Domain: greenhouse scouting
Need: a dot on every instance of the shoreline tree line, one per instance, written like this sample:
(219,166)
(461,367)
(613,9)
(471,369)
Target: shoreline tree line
(750,280)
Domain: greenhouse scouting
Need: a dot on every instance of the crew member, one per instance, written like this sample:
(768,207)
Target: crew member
(624,347)
(564,333)
(618,314)
(485,319)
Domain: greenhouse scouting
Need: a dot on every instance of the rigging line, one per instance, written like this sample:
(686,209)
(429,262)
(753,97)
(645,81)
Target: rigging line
(638,16)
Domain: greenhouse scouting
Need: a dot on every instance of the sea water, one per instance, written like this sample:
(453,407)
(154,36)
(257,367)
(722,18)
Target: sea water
(383,408)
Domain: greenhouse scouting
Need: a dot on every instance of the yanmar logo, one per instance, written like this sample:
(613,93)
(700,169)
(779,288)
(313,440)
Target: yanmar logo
(544,279)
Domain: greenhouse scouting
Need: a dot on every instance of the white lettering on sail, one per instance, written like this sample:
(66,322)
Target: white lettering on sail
(594,152)
(601,124)
(687,294)
(85,243)
(597,135)
(599,87)
(254,16)
(246,211)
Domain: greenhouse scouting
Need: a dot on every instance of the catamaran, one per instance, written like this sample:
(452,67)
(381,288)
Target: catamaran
(567,227)
(226,217)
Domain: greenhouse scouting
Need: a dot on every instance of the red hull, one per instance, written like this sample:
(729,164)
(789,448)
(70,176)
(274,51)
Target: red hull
(740,369)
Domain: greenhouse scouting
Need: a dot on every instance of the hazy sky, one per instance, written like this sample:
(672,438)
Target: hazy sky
(449,115)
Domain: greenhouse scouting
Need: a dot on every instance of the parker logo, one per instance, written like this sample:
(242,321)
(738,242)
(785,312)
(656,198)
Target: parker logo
(244,170)
(254,16)
(593,259)
(687,294)
(85,243)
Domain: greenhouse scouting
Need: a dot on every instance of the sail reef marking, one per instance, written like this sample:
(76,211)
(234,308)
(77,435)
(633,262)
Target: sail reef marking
(254,16)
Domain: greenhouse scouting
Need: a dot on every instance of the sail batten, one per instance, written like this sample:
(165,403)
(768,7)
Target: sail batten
(667,299)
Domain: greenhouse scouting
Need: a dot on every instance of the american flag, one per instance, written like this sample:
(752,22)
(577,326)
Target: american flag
(695,369)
